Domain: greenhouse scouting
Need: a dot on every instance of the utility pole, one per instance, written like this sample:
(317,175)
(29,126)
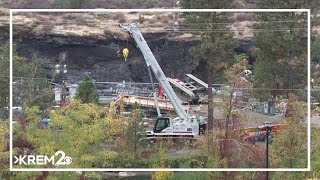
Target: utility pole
(61,72)
(135,138)
(268,127)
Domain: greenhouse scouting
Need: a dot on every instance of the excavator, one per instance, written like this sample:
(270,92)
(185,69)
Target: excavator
(184,125)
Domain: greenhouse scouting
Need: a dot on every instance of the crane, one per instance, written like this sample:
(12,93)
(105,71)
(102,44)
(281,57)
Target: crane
(184,125)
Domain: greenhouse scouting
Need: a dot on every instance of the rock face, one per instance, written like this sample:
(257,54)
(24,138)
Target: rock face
(99,56)
(92,46)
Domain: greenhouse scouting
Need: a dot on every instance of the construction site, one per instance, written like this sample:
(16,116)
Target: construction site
(155,97)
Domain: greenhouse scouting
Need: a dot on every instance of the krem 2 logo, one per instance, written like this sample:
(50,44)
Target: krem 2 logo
(43,159)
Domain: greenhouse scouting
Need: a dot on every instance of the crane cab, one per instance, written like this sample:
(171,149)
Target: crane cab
(162,123)
(166,126)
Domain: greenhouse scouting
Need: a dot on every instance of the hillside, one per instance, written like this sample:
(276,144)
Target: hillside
(92,41)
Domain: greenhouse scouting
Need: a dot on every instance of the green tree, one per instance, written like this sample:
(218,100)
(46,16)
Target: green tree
(217,44)
(87,91)
(31,85)
(281,57)
(4,78)
(73,4)
(134,132)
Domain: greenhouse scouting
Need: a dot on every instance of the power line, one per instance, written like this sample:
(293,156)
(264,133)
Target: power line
(215,30)
(253,22)
(132,83)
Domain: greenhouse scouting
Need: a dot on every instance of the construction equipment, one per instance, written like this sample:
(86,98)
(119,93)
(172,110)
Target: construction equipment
(186,88)
(125,52)
(258,134)
(200,82)
(182,126)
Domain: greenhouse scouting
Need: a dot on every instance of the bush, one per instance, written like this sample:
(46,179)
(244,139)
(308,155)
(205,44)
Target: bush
(123,160)
(191,175)
(141,19)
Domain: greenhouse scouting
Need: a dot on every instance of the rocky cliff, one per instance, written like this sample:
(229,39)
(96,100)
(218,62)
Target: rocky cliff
(100,57)
(92,41)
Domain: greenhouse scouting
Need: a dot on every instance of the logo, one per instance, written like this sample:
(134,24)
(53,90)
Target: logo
(43,159)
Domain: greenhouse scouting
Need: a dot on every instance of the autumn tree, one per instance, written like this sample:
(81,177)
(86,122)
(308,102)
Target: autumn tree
(315,154)
(77,129)
(87,91)
(161,175)
(232,152)
(217,41)
(4,149)
(289,148)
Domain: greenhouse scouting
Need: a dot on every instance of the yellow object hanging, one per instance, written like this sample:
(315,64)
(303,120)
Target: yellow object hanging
(125,52)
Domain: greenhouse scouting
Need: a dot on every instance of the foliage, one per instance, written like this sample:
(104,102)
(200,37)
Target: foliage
(72,4)
(4,75)
(294,4)
(31,85)
(77,129)
(216,47)
(87,91)
(191,176)
(281,55)
(29,78)
(315,153)
(289,148)
(161,175)
(134,132)
(4,148)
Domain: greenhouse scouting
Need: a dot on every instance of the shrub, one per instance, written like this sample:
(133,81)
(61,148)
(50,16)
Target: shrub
(141,19)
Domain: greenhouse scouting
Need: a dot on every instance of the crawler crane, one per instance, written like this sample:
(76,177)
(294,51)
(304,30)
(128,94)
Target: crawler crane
(182,126)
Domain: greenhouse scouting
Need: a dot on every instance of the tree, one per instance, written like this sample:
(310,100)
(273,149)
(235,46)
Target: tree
(134,131)
(315,154)
(31,85)
(281,54)
(217,45)
(4,78)
(73,4)
(162,175)
(77,129)
(4,149)
(289,148)
(87,91)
